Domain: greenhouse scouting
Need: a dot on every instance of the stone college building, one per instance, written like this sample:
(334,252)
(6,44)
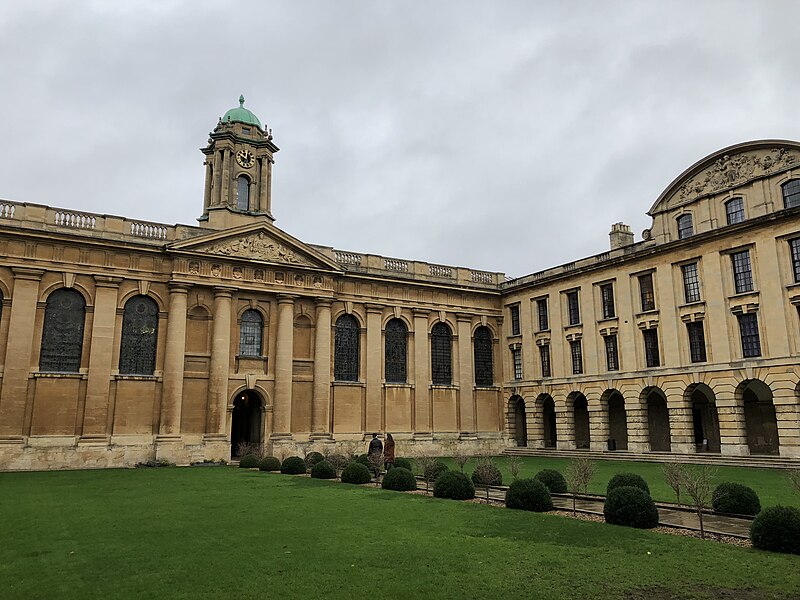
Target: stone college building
(123,340)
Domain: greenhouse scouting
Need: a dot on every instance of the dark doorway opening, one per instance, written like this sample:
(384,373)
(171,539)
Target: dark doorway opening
(246,422)
(581,415)
(760,419)
(617,422)
(520,422)
(549,420)
(658,422)
(705,419)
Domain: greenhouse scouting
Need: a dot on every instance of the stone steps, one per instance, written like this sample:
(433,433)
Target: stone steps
(765,462)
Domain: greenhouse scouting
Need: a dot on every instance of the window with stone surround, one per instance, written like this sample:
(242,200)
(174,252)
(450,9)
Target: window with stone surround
(250,333)
(441,354)
(612,354)
(794,249)
(515,329)
(791,193)
(542,313)
(62,333)
(346,349)
(685,226)
(516,358)
(573,308)
(742,272)
(691,283)
(242,193)
(646,292)
(748,329)
(697,341)
(396,357)
(734,210)
(607,298)
(651,354)
(544,357)
(482,352)
(577,357)
(137,353)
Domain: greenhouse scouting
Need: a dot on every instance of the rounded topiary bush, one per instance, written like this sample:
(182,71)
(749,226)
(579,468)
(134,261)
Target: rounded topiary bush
(404,463)
(529,494)
(363,459)
(453,485)
(323,470)
(553,481)
(294,465)
(270,463)
(436,470)
(630,506)
(627,480)
(735,498)
(313,458)
(399,479)
(248,461)
(357,473)
(487,475)
(777,528)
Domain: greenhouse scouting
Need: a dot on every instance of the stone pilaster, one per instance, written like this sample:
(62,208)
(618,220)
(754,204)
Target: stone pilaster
(320,409)
(95,416)
(466,377)
(565,424)
(220,363)
(681,425)
(423,412)
(284,360)
(374,360)
(732,433)
(638,427)
(207,189)
(172,387)
(788,419)
(598,424)
(225,198)
(14,393)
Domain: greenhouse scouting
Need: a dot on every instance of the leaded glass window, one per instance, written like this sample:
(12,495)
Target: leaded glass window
(544,357)
(742,272)
(514,319)
(544,317)
(441,354)
(346,346)
(482,348)
(242,193)
(396,351)
(577,357)
(794,247)
(607,296)
(791,193)
(748,327)
(646,292)
(734,210)
(685,227)
(137,353)
(697,341)
(573,308)
(516,358)
(651,355)
(691,283)
(251,329)
(62,334)
(612,355)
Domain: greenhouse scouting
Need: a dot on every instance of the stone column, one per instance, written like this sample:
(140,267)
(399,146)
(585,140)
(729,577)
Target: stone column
(19,349)
(732,433)
(786,414)
(207,189)
(466,378)
(374,356)
(320,409)
(638,427)
(423,412)
(565,424)
(598,423)
(95,415)
(220,363)
(172,386)
(216,193)
(263,180)
(681,424)
(284,361)
(226,178)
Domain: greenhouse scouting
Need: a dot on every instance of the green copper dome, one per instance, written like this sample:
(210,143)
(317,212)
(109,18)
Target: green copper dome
(241,115)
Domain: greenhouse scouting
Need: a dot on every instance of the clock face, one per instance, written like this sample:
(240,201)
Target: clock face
(245,158)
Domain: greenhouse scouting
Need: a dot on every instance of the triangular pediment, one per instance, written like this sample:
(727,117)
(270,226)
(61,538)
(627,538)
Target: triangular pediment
(259,242)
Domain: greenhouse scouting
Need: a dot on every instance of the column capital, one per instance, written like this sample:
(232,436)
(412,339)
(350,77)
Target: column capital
(323,302)
(286,298)
(221,291)
(175,287)
(25,273)
(107,282)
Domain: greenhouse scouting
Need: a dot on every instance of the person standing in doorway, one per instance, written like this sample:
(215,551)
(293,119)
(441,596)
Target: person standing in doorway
(388,452)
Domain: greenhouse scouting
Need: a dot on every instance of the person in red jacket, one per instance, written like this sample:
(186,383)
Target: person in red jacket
(388,452)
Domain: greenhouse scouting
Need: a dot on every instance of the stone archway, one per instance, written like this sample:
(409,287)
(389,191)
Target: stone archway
(549,421)
(704,417)
(761,424)
(657,420)
(580,411)
(518,420)
(247,420)
(617,420)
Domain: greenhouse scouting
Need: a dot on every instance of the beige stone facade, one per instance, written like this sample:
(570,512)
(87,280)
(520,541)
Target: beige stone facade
(255,336)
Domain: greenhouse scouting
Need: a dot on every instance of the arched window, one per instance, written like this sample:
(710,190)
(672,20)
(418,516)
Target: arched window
(441,355)
(62,334)
(685,226)
(345,355)
(734,210)
(137,352)
(791,193)
(250,331)
(396,351)
(482,349)
(242,193)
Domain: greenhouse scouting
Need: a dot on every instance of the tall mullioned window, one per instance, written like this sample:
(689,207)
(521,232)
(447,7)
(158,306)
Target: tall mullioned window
(482,351)
(697,341)
(544,358)
(441,354)
(612,354)
(346,349)
(794,248)
(646,292)
(515,330)
(396,351)
(242,193)
(573,308)
(691,283)
(250,332)
(62,334)
(734,210)
(577,357)
(742,272)
(685,226)
(607,297)
(651,355)
(137,353)
(791,193)
(542,313)
(748,328)
(516,358)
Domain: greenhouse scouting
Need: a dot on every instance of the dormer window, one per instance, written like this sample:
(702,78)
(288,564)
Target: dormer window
(734,210)
(791,193)
(685,227)
(242,193)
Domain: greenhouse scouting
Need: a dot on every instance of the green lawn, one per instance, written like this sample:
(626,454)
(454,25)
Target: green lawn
(771,485)
(229,533)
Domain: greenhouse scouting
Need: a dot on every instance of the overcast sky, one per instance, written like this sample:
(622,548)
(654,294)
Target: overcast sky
(504,136)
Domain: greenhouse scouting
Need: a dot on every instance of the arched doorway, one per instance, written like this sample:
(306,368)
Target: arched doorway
(247,421)
(761,423)
(705,419)
(617,421)
(520,428)
(657,420)
(580,408)
(549,421)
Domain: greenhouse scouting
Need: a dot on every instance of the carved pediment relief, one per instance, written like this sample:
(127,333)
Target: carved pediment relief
(257,246)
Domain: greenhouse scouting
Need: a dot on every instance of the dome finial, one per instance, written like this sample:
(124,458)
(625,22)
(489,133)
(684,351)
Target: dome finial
(241,100)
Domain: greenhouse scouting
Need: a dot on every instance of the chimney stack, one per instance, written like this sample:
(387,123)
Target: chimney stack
(621,236)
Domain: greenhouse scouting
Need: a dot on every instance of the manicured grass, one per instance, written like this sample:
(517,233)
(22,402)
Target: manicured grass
(771,485)
(231,533)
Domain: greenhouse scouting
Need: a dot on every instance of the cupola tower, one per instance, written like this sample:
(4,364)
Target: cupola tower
(239,159)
